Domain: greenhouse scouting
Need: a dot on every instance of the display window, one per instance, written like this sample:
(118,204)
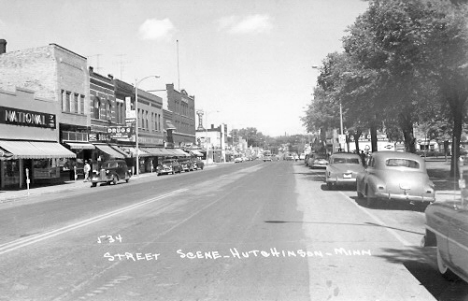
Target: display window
(11,172)
(45,169)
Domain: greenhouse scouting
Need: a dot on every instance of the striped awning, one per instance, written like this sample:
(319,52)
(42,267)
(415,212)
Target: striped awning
(161,152)
(33,150)
(110,151)
(179,152)
(76,145)
(196,153)
(132,151)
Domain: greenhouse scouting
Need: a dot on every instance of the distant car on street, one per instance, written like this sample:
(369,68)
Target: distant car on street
(343,169)
(395,176)
(238,160)
(289,157)
(185,164)
(302,156)
(197,163)
(168,166)
(111,172)
(318,160)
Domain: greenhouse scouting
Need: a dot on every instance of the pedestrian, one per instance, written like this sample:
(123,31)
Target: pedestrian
(86,169)
(363,157)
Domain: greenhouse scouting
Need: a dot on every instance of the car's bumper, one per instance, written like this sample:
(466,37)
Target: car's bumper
(404,197)
(319,166)
(341,181)
(100,179)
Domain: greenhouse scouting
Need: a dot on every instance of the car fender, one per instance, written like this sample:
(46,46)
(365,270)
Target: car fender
(371,183)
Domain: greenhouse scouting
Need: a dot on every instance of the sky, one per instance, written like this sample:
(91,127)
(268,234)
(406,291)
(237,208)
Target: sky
(247,62)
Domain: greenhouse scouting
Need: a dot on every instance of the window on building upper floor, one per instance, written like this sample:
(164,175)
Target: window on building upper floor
(76,103)
(108,110)
(82,102)
(97,108)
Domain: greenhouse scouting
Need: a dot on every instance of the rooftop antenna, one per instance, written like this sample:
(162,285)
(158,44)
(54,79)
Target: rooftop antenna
(98,68)
(121,64)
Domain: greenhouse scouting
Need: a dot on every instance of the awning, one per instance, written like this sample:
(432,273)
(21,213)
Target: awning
(75,145)
(132,151)
(169,125)
(161,152)
(110,151)
(179,152)
(196,153)
(34,150)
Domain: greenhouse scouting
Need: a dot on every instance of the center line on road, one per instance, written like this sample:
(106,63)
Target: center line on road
(20,243)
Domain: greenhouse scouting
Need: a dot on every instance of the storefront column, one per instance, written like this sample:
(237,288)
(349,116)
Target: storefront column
(2,174)
(22,173)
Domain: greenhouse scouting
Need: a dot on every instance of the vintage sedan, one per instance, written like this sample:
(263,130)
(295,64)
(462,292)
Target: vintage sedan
(185,164)
(318,160)
(395,176)
(168,166)
(343,169)
(197,163)
(447,229)
(110,172)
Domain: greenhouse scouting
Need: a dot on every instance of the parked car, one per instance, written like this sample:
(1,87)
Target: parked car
(238,160)
(318,160)
(267,158)
(185,164)
(447,229)
(197,163)
(395,176)
(343,169)
(288,157)
(302,156)
(168,166)
(111,172)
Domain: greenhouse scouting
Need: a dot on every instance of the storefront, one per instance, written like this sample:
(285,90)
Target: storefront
(37,161)
(29,147)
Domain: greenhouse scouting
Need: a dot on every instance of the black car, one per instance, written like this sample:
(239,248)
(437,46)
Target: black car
(111,172)
(168,166)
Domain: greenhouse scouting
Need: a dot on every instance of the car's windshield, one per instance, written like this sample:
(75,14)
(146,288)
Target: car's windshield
(402,163)
(110,164)
(345,161)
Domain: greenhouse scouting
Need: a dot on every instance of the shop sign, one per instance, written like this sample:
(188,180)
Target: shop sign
(129,111)
(27,118)
(119,131)
(93,137)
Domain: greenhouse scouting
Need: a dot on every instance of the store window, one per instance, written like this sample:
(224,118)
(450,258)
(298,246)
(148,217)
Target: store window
(45,169)
(11,172)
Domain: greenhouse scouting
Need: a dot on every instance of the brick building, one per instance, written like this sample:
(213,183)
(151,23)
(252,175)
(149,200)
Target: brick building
(59,75)
(182,107)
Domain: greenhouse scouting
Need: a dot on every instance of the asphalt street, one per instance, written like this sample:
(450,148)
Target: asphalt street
(247,231)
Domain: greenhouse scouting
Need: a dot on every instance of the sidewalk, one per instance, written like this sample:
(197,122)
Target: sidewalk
(15,195)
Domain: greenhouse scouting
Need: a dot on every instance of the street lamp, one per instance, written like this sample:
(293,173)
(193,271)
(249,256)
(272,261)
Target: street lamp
(137,170)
